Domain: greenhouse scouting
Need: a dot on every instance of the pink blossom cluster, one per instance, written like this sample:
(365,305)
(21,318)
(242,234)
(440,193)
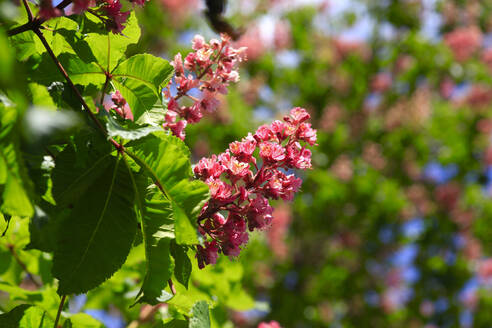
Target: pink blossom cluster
(210,69)
(245,177)
(464,41)
(109,11)
(271,324)
(120,106)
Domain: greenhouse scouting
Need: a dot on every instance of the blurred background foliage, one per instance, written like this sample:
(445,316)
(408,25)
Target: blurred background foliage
(393,227)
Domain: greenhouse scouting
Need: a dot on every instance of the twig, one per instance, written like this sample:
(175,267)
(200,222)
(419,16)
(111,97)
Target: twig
(60,308)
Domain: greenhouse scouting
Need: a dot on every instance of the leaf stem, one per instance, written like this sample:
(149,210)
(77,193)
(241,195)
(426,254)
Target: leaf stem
(60,308)
(171,286)
(108,78)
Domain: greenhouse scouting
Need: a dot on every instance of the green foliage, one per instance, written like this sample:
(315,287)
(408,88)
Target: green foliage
(201,316)
(114,223)
(165,159)
(140,79)
(157,229)
(97,231)
(82,320)
(26,316)
(182,264)
(14,184)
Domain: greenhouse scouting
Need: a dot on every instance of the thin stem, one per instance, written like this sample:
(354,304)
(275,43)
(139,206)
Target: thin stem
(171,286)
(60,308)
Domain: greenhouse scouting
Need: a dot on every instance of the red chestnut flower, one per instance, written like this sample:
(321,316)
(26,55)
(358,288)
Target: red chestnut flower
(120,106)
(241,189)
(209,69)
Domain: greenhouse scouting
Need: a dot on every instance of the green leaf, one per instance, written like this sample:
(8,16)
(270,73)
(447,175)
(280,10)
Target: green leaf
(24,44)
(175,324)
(14,190)
(133,133)
(15,199)
(157,233)
(74,173)
(55,34)
(42,228)
(80,72)
(12,319)
(109,48)
(140,80)
(155,72)
(182,264)
(95,238)
(201,316)
(154,116)
(157,238)
(82,320)
(26,316)
(35,317)
(166,159)
(40,95)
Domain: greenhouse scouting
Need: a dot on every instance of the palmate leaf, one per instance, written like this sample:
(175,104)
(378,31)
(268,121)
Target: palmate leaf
(96,236)
(165,159)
